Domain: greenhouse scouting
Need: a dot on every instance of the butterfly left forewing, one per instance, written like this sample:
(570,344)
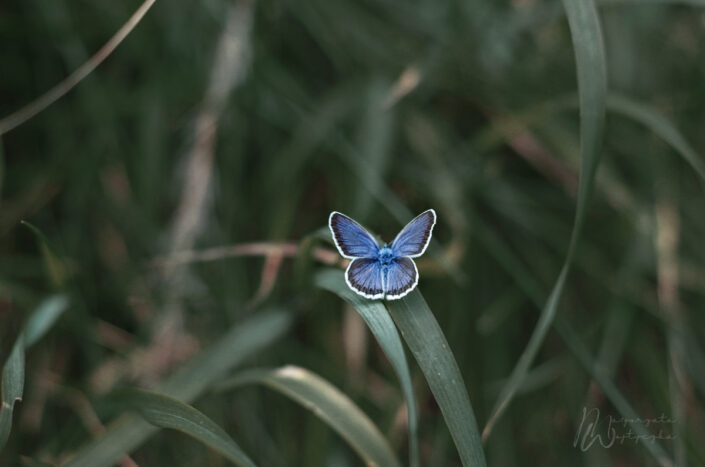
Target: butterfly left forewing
(351,239)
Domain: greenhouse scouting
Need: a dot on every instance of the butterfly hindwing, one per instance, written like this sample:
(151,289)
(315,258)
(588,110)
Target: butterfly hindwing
(401,278)
(413,239)
(352,240)
(364,275)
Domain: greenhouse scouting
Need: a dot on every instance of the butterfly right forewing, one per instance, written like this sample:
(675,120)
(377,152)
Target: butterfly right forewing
(414,238)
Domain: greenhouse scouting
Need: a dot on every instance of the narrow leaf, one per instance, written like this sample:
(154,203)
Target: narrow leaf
(329,404)
(242,341)
(592,90)
(577,346)
(166,412)
(55,268)
(44,318)
(660,125)
(429,346)
(12,388)
(12,384)
(380,323)
(612,392)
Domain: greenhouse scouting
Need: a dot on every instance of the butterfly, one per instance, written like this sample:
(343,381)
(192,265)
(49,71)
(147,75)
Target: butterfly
(381,272)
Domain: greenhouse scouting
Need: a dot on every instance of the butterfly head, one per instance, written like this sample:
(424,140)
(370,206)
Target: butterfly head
(385,255)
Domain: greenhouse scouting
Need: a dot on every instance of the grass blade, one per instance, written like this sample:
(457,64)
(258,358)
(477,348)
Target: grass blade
(56,269)
(12,388)
(592,83)
(612,392)
(594,367)
(129,431)
(329,404)
(380,323)
(12,384)
(695,361)
(660,125)
(426,341)
(44,318)
(166,412)
(505,127)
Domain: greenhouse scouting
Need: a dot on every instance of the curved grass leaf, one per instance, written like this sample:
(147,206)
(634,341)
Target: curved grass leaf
(44,318)
(695,361)
(510,125)
(592,90)
(595,368)
(380,323)
(55,268)
(242,341)
(429,346)
(660,125)
(329,404)
(12,388)
(612,392)
(12,384)
(166,412)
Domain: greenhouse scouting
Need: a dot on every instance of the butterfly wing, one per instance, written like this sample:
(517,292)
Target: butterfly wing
(352,240)
(364,276)
(413,239)
(401,278)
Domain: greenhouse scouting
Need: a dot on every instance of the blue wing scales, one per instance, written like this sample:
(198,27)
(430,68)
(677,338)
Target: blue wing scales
(351,239)
(401,278)
(364,275)
(413,239)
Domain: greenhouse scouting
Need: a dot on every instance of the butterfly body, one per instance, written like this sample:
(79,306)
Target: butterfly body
(387,271)
(385,255)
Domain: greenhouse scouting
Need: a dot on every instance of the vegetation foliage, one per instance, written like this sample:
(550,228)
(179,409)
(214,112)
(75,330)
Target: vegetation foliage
(169,292)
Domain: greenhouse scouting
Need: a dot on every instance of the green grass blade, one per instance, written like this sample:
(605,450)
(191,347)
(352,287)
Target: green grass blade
(660,125)
(695,361)
(329,404)
(166,412)
(592,83)
(612,392)
(54,266)
(12,384)
(429,346)
(44,318)
(380,323)
(504,127)
(592,91)
(12,388)
(594,367)
(242,341)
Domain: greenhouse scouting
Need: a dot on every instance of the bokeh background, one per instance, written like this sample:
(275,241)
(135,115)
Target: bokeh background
(230,130)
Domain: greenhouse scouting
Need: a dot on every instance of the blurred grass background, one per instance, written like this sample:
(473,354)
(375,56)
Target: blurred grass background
(220,123)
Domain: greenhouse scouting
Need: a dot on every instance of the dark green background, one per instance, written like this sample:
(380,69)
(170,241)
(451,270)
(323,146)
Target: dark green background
(309,129)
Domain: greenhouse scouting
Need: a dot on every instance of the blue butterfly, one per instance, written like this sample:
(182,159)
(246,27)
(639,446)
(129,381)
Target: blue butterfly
(387,271)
